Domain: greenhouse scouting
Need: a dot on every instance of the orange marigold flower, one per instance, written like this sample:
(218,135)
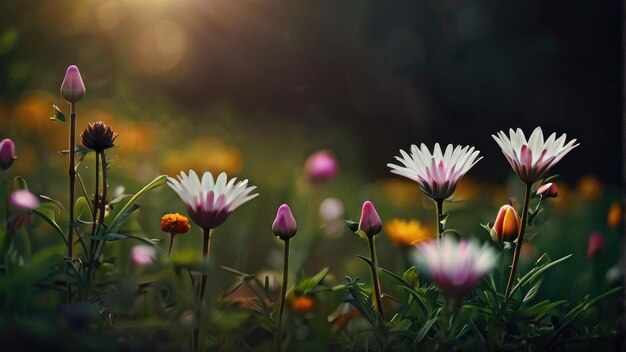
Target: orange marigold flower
(408,233)
(175,223)
(303,304)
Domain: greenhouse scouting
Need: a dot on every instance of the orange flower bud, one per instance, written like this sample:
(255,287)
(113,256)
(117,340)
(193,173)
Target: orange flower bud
(507,225)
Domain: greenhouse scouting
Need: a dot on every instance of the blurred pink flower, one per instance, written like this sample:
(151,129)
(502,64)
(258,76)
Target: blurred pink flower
(436,174)
(143,255)
(455,267)
(549,190)
(210,201)
(595,245)
(321,166)
(7,153)
(72,88)
(284,226)
(22,198)
(531,159)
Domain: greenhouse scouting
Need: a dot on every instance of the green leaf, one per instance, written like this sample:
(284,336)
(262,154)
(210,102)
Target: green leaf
(120,218)
(20,183)
(426,328)
(112,237)
(57,115)
(584,305)
(126,210)
(236,272)
(48,215)
(367,260)
(353,226)
(532,292)
(308,284)
(533,275)
(81,204)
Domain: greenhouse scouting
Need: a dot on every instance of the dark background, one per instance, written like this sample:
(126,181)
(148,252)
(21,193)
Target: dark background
(393,73)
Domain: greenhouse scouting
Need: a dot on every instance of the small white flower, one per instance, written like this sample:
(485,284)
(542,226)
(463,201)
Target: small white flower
(208,201)
(532,158)
(437,174)
(455,267)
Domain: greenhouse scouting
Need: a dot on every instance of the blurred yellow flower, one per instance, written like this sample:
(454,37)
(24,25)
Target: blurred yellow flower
(615,215)
(33,112)
(207,154)
(589,187)
(408,232)
(398,192)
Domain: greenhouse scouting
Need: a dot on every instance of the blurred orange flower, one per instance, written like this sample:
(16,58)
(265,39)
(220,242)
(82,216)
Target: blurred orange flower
(408,232)
(398,192)
(303,304)
(589,187)
(207,154)
(615,215)
(466,189)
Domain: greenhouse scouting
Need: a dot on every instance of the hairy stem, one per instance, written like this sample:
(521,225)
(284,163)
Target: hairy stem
(518,243)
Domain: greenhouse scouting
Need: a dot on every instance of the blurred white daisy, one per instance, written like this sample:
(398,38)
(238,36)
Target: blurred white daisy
(455,267)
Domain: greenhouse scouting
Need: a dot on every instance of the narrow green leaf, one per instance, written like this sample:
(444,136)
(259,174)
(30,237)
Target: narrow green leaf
(124,213)
(57,115)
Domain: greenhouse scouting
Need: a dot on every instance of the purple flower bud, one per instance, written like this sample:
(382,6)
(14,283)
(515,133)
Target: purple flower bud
(143,255)
(72,88)
(321,166)
(7,153)
(24,199)
(370,222)
(549,190)
(284,225)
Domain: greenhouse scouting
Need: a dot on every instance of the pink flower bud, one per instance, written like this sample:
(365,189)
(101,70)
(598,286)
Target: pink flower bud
(507,225)
(72,88)
(284,225)
(24,199)
(595,245)
(321,166)
(549,190)
(370,222)
(7,153)
(143,255)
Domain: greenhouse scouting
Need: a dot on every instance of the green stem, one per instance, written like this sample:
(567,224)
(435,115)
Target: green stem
(377,293)
(439,210)
(99,247)
(205,260)
(72,176)
(518,243)
(4,212)
(171,244)
(283,297)
(96,194)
